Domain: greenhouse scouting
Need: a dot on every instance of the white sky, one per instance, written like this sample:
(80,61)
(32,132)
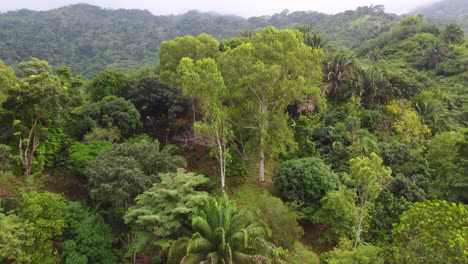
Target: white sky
(244,8)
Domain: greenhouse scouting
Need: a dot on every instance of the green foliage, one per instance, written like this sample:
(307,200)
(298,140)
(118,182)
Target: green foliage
(385,213)
(202,81)
(453,34)
(89,238)
(339,213)
(107,83)
(158,104)
(128,169)
(432,232)
(441,157)
(340,71)
(7,79)
(304,181)
(221,234)
(369,176)
(265,75)
(5,157)
(35,103)
(55,147)
(301,254)
(164,211)
(44,211)
(171,53)
(80,154)
(345,254)
(116,112)
(15,237)
(281,218)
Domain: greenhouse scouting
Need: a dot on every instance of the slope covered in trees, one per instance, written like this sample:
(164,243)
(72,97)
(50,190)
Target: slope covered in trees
(446,11)
(273,146)
(90,39)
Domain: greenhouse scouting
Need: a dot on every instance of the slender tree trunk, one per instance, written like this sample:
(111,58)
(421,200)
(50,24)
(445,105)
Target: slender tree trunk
(359,228)
(222,167)
(263,125)
(261,175)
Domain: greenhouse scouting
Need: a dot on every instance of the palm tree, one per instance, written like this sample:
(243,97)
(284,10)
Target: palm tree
(372,80)
(432,114)
(340,69)
(312,38)
(437,51)
(453,34)
(221,234)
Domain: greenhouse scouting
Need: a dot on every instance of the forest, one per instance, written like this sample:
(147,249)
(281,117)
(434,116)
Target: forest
(273,143)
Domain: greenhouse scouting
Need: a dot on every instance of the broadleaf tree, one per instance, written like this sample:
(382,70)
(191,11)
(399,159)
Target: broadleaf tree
(202,81)
(270,71)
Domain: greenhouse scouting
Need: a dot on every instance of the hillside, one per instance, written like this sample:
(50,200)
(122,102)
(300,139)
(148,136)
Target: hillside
(90,39)
(447,11)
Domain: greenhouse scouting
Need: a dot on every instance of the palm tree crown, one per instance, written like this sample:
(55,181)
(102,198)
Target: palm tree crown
(221,234)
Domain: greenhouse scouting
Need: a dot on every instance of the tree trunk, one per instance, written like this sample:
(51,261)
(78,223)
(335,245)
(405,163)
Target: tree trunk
(261,175)
(359,228)
(222,167)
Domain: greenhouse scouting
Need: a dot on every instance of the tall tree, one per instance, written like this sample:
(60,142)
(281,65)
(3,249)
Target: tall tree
(270,71)
(203,82)
(35,103)
(369,176)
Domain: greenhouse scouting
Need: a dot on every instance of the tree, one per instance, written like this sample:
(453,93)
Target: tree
(339,213)
(158,104)
(118,112)
(35,103)
(221,234)
(45,212)
(311,38)
(304,181)
(7,79)
(80,154)
(432,232)
(280,217)
(89,238)
(441,154)
(453,34)
(15,237)
(270,71)
(407,125)
(120,174)
(171,53)
(339,69)
(203,82)
(164,211)
(369,177)
(437,52)
(108,83)
(372,82)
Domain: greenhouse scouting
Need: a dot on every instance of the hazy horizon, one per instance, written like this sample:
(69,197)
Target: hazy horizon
(241,7)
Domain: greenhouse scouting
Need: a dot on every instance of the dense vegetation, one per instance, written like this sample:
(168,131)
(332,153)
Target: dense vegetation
(90,39)
(274,146)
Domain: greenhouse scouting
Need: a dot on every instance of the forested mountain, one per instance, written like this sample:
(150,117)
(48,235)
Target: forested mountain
(89,39)
(273,146)
(447,11)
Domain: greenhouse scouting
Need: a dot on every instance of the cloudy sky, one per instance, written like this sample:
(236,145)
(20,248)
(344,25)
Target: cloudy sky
(244,8)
